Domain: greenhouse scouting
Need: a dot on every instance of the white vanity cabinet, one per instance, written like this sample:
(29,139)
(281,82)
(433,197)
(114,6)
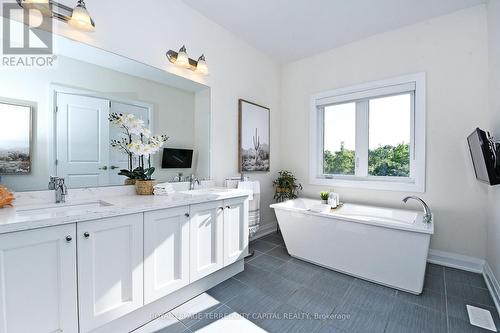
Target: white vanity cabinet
(235,230)
(98,275)
(219,235)
(206,239)
(166,252)
(110,269)
(38,281)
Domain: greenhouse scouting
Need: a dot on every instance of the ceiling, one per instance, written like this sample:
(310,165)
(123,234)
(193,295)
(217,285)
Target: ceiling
(288,30)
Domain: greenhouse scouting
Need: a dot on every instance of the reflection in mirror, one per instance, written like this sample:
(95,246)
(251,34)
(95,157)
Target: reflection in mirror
(66,110)
(15,137)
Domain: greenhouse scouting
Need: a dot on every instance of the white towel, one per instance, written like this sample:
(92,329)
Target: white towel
(253,186)
(253,204)
(163,189)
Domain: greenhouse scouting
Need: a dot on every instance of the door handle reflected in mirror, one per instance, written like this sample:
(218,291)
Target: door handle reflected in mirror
(113,167)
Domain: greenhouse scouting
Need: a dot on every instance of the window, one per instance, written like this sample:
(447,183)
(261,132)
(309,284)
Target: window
(371,135)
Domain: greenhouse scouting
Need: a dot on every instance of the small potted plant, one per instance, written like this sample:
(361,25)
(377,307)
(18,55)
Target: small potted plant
(324,196)
(143,149)
(138,144)
(286,186)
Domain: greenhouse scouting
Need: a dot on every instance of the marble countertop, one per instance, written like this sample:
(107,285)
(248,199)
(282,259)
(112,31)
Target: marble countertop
(26,214)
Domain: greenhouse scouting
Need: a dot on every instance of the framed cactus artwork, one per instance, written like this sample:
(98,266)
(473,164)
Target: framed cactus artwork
(254,137)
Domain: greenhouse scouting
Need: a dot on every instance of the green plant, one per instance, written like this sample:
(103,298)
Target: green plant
(286,186)
(138,173)
(324,195)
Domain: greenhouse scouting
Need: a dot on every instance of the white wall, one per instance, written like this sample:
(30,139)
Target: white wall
(493,240)
(145,30)
(452,50)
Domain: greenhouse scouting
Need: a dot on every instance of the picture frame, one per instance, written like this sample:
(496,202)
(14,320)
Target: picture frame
(16,142)
(254,137)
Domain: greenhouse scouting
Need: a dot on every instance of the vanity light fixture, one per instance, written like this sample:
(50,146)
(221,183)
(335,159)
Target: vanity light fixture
(201,66)
(77,17)
(80,18)
(182,59)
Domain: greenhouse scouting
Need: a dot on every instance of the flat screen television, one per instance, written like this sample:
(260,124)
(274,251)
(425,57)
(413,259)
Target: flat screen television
(484,157)
(174,158)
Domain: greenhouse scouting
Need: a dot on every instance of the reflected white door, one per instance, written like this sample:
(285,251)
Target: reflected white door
(117,159)
(206,246)
(38,281)
(82,140)
(110,270)
(166,252)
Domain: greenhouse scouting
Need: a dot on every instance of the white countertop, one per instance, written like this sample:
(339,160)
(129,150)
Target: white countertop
(117,203)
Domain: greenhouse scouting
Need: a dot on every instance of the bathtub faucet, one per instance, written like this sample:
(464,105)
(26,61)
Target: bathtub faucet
(427,210)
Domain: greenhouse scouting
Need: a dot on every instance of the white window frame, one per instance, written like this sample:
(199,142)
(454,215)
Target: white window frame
(388,87)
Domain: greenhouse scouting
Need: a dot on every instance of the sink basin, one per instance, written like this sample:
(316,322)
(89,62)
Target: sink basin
(61,209)
(205,191)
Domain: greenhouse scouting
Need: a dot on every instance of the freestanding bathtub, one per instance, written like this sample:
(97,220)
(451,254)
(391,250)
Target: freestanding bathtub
(382,245)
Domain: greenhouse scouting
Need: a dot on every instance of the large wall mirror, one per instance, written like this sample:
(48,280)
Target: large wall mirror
(55,121)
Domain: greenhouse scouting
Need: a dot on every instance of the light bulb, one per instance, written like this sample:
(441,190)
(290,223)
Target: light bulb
(182,58)
(201,67)
(80,18)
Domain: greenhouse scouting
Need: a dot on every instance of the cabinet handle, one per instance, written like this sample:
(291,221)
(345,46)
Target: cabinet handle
(186,215)
(228,207)
(221,208)
(69,238)
(103,168)
(114,167)
(86,234)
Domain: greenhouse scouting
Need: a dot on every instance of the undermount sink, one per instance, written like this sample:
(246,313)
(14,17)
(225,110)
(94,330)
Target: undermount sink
(59,209)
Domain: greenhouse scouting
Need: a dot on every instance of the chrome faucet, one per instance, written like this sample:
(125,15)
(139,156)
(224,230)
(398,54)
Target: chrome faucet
(194,180)
(427,210)
(60,188)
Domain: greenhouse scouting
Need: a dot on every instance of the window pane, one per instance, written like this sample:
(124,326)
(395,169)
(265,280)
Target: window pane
(389,136)
(339,139)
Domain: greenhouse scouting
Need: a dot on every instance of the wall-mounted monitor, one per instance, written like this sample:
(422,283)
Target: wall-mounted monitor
(174,158)
(484,152)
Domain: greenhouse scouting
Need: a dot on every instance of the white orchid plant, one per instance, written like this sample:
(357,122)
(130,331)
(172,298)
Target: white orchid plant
(139,145)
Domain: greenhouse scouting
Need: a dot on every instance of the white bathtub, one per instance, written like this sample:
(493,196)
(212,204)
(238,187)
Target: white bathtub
(382,245)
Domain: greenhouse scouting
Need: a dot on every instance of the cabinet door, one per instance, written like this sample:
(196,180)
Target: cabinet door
(235,230)
(206,245)
(110,272)
(166,252)
(38,281)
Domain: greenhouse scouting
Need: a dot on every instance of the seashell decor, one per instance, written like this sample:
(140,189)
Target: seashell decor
(6,197)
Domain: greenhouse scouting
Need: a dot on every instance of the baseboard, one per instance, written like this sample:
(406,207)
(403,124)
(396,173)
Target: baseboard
(265,229)
(492,284)
(455,260)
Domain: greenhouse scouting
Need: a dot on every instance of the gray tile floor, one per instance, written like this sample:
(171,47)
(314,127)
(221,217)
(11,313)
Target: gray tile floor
(279,293)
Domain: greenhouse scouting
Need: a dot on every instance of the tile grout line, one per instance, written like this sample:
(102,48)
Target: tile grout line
(446,301)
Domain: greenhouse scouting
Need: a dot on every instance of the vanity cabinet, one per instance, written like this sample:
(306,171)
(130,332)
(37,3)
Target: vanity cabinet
(38,281)
(219,235)
(110,269)
(80,277)
(206,245)
(166,252)
(235,230)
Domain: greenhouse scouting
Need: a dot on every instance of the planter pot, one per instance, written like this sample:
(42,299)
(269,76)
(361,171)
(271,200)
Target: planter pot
(283,189)
(144,187)
(325,202)
(129,181)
